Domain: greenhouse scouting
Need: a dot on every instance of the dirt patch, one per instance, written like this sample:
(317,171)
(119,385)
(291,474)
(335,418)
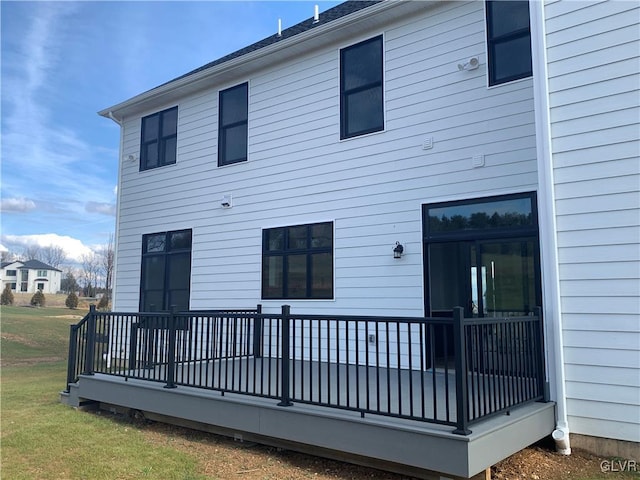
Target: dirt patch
(72,317)
(541,462)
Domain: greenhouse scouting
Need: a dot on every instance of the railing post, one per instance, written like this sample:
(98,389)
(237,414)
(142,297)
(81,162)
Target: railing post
(285,372)
(91,341)
(171,354)
(540,367)
(257,333)
(460,350)
(71,359)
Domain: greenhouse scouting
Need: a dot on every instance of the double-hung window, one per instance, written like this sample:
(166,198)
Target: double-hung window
(297,262)
(508,40)
(159,139)
(361,89)
(232,124)
(42,273)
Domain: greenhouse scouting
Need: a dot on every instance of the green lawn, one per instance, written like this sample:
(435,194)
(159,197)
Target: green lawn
(43,439)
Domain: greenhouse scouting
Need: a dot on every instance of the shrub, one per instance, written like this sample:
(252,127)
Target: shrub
(71,301)
(103,304)
(38,299)
(7,296)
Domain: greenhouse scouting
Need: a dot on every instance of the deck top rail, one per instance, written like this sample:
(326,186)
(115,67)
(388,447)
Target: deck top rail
(450,371)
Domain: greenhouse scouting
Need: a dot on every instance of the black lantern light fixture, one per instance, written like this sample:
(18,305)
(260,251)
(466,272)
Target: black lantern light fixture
(397,251)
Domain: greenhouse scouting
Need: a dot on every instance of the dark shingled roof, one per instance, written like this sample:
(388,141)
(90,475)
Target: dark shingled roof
(350,6)
(37,265)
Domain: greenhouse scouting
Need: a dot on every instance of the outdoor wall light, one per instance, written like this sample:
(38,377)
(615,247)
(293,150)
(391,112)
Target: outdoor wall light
(397,251)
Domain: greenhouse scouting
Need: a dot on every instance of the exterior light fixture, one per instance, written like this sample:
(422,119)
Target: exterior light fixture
(397,251)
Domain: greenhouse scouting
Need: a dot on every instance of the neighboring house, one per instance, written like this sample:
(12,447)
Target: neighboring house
(30,276)
(395,159)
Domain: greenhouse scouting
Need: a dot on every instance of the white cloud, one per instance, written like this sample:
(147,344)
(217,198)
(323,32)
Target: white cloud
(103,208)
(35,136)
(73,247)
(17,205)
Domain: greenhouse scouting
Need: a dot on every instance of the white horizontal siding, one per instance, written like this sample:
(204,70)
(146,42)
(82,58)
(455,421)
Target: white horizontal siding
(593,54)
(299,171)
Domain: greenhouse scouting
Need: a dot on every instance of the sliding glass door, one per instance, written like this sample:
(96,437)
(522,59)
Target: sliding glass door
(486,278)
(482,255)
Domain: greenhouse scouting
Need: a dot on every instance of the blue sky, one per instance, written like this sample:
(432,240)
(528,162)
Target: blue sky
(61,62)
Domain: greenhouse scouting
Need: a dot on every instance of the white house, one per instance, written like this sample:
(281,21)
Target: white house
(401,159)
(29,276)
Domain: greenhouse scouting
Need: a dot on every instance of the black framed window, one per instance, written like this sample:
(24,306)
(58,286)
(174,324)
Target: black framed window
(232,124)
(11,273)
(297,262)
(158,144)
(482,254)
(361,89)
(166,271)
(508,40)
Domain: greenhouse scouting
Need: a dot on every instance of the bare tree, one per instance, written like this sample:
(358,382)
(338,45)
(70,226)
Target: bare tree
(107,260)
(53,255)
(32,252)
(9,256)
(90,271)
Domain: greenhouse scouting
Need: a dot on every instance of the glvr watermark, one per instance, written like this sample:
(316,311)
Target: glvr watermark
(618,466)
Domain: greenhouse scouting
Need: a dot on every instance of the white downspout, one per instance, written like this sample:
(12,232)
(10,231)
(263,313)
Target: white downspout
(548,227)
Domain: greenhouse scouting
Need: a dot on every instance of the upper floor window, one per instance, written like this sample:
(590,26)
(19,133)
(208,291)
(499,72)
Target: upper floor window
(232,124)
(508,40)
(361,92)
(297,261)
(11,273)
(159,139)
(42,273)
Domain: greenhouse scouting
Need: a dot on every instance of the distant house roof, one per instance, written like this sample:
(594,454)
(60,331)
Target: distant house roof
(36,265)
(339,11)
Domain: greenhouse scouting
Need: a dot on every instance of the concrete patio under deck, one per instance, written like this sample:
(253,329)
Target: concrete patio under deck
(411,447)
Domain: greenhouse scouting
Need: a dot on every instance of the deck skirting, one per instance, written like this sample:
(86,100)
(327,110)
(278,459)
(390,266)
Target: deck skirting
(406,446)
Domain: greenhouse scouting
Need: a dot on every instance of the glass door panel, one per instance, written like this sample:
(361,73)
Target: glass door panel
(488,279)
(449,279)
(509,280)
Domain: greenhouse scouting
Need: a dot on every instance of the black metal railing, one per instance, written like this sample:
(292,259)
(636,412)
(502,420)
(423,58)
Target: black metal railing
(439,370)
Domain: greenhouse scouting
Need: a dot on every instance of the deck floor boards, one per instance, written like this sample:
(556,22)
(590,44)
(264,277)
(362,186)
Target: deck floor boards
(427,394)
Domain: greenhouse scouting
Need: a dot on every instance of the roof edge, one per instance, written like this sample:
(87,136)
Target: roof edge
(199,76)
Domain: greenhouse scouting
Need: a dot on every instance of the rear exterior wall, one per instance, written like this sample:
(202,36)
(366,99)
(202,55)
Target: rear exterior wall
(299,171)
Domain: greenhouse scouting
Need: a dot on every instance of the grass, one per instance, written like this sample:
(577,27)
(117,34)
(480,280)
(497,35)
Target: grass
(43,439)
